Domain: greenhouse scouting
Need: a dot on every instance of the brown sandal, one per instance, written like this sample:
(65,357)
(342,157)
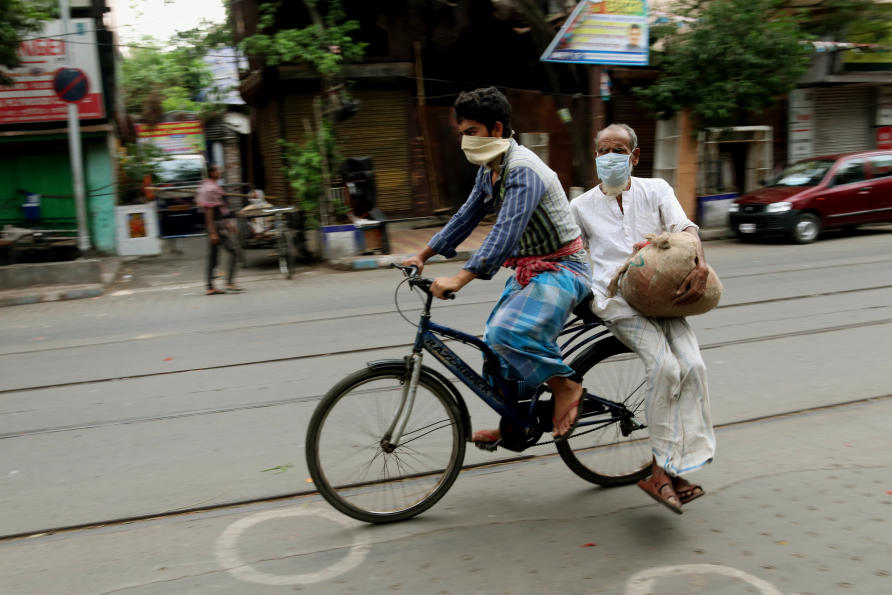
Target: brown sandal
(660,489)
(214,291)
(686,490)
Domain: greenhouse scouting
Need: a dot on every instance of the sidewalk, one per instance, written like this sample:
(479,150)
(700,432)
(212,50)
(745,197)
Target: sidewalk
(86,278)
(406,242)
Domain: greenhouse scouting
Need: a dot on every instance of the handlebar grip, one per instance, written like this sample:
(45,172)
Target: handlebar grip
(449,295)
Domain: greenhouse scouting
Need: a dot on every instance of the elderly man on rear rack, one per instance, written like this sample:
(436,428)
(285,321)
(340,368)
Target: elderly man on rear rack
(614,217)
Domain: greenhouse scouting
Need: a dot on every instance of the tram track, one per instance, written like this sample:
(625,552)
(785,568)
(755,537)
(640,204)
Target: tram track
(316,397)
(221,506)
(406,345)
(408,311)
(460,304)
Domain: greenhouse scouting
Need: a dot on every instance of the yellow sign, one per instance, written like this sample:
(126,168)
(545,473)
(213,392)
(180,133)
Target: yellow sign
(603,32)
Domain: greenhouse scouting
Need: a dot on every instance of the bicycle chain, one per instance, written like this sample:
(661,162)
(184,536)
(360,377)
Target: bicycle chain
(575,435)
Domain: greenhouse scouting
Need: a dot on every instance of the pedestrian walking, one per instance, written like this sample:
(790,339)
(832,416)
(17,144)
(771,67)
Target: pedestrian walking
(221,230)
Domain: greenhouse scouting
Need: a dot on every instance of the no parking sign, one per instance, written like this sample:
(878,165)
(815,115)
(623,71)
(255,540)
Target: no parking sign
(71,84)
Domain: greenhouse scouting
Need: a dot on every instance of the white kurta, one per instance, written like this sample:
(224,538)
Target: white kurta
(678,414)
(649,206)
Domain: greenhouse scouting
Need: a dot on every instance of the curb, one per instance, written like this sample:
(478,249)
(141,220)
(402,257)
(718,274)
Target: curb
(361,263)
(382,261)
(50,294)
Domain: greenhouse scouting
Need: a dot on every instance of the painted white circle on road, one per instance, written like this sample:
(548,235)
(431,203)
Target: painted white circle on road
(643,582)
(227,550)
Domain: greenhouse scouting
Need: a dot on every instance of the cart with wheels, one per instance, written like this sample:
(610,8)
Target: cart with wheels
(266,228)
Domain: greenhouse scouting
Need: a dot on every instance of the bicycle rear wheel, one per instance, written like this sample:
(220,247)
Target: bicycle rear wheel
(352,470)
(605,456)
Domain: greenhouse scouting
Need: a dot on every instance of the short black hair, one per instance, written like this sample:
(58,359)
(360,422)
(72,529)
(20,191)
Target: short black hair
(487,106)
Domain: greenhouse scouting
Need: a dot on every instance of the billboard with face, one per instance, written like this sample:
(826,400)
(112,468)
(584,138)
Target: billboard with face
(603,32)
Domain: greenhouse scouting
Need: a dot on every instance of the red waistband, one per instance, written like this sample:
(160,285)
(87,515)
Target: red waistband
(528,267)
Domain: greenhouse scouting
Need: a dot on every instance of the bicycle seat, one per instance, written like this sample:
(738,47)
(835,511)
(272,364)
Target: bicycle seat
(583,310)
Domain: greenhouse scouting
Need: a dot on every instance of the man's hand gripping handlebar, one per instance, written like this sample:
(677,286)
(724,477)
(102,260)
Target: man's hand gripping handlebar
(411,272)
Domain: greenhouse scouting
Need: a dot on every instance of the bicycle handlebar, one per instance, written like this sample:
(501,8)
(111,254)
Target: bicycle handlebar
(411,272)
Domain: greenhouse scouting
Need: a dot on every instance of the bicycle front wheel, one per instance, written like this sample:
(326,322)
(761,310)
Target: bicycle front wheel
(606,456)
(349,464)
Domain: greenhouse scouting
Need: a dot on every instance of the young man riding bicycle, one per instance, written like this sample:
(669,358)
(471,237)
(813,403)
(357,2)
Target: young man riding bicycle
(536,234)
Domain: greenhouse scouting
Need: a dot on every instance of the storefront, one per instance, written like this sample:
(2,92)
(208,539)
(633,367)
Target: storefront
(38,165)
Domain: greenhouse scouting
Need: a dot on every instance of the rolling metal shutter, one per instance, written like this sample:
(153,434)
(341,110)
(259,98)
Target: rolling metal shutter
(842,120)
(268,133)
(378,130)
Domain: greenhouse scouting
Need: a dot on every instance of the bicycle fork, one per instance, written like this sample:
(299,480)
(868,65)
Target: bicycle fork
(394,433)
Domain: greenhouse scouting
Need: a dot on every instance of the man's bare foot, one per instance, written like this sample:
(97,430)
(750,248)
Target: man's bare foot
(567,396)
(486,436)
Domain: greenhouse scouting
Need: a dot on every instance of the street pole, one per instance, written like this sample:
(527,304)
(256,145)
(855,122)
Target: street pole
(74,146)
(597,110)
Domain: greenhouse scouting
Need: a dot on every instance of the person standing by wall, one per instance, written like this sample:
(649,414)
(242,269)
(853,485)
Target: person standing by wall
(220,227)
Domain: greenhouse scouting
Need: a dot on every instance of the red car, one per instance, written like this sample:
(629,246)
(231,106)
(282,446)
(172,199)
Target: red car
(840,191)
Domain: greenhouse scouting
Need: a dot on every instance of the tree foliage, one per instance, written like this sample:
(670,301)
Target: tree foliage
(18,19)
(137,162)
(324,45)
(175,76)
(731,63)
(304,170)
(862,21)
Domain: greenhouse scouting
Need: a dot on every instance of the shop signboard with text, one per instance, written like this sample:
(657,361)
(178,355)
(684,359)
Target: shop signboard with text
(603,32)
(173,138)
(32,98)
(801,124)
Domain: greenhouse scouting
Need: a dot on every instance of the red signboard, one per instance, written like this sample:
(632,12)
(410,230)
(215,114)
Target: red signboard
(32,96)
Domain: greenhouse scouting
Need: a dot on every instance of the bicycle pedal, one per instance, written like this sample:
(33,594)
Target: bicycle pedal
(487,446)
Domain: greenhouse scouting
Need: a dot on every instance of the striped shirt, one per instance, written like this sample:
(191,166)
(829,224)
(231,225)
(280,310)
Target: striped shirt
(534,216)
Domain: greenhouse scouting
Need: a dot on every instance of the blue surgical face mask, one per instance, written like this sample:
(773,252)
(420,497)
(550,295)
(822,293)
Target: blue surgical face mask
(614,168)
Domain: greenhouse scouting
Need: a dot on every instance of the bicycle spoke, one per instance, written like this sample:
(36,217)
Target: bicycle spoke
(361,477)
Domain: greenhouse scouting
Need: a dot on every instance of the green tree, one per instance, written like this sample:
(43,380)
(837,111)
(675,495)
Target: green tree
(325,45)
(18,19)
(731,63)
(173,77)
(137,162)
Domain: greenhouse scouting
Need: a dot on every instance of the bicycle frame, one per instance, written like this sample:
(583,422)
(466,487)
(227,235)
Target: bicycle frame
(503,394)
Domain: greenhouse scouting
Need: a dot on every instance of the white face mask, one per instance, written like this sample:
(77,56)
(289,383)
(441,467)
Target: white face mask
(614,170)
(483,150)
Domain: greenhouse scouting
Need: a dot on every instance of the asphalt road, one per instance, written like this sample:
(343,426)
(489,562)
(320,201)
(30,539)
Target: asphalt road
(155,400)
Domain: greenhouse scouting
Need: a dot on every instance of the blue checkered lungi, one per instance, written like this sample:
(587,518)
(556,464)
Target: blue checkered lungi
(524,325)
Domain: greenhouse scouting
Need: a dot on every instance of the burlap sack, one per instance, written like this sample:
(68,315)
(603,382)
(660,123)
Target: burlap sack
(649,278)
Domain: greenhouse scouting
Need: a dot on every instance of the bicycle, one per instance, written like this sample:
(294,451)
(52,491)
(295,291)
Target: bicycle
(388,441)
